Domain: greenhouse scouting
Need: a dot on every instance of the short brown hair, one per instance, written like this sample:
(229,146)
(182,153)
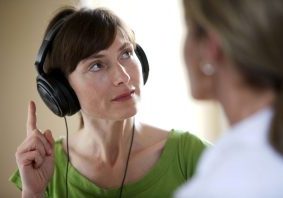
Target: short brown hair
(85,32)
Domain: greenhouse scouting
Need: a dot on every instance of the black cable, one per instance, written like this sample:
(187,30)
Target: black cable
(127,162)
(68,156)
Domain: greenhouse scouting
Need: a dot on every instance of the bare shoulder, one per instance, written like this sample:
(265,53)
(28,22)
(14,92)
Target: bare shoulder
(149,143)
(73,140)
(154,132)
(152,137)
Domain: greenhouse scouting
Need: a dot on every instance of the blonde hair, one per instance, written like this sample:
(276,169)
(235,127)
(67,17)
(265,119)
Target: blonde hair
(251,34)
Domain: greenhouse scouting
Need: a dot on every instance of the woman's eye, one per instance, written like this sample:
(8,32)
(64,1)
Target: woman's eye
(95,67)
(127,54)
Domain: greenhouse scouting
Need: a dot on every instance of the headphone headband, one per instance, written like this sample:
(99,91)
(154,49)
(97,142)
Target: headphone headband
(47,41)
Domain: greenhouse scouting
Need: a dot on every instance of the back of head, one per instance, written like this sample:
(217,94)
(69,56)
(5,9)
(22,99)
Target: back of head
(250,32)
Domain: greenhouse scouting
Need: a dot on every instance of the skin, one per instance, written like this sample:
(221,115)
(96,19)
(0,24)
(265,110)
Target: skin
(35,157)
(99,150)
(226,85)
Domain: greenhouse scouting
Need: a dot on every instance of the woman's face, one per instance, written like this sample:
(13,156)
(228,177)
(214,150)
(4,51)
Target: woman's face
(107,83)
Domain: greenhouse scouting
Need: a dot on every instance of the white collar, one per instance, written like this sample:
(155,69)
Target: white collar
(250,132)
(253,129)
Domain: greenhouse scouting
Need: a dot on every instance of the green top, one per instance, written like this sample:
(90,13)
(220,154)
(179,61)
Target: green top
(176,165)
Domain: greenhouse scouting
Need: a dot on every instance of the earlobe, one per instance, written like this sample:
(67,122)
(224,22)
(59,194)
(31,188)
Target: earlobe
(208,69)
(210,52)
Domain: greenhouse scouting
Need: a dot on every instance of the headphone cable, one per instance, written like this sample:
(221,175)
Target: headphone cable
(68,157)
(127,162)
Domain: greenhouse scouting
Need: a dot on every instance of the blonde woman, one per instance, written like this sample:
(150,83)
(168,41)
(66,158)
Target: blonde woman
(233,53)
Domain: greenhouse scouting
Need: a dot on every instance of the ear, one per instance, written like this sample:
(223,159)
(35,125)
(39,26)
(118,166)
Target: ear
(211,49)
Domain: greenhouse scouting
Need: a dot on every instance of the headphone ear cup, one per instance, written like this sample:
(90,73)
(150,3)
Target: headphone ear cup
(144,62)
(57,94)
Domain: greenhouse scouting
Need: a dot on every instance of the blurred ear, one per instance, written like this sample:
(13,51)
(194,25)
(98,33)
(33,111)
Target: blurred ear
(211,49)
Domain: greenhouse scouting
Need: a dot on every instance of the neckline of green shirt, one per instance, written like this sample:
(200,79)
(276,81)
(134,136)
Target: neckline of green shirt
(77,180)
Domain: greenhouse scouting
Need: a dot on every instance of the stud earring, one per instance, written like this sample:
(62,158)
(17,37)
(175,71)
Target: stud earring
(208,69)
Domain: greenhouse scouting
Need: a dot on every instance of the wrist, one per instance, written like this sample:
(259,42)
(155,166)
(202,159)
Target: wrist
(32,195)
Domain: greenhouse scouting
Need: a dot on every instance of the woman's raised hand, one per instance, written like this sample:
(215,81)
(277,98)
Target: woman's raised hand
(35,157)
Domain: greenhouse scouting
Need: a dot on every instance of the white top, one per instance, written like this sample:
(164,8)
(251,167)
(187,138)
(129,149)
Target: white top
(242,164)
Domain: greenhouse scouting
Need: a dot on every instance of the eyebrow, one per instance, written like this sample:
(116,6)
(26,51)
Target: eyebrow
(125,45)
(98,55)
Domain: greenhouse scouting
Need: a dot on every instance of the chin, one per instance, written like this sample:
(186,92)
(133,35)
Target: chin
(121,118)
(126,114)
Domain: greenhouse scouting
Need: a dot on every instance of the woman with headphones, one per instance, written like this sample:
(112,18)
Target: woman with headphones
(89,62)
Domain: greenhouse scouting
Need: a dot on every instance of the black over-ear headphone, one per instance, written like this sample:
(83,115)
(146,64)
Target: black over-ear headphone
(54,88)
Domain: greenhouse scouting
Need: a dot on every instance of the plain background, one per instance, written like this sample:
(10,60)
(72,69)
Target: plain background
(22,24)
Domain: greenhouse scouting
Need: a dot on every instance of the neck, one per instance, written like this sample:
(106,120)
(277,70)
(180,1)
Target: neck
(239,100)
(107,141)
(240,104)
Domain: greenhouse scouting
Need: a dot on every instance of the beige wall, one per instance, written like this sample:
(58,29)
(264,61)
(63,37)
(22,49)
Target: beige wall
(22,26)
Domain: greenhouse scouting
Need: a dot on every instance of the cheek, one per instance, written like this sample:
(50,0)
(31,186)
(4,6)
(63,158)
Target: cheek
(90,93)
(94,101)
(196,78)
(187,54)
(190,58)
(140,75)
(135,72)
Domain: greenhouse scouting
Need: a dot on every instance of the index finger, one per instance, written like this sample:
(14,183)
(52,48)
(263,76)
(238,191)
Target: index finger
(31,118)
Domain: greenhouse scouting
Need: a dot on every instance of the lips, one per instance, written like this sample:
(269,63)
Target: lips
(124,96)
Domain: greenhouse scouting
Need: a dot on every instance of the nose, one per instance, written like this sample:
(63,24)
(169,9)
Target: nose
(121,76)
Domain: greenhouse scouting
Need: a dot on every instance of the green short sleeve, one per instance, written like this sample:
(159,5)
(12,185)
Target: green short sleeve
(16,179)
(189,151)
